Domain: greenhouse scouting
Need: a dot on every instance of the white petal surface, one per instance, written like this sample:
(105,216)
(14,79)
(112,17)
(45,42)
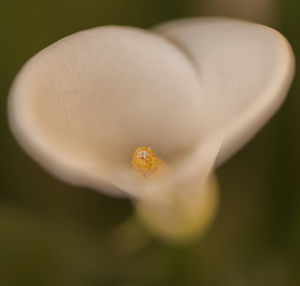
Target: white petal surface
(245,70)
(81,106)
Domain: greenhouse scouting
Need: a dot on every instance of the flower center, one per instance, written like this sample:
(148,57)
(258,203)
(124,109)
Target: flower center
(146,164)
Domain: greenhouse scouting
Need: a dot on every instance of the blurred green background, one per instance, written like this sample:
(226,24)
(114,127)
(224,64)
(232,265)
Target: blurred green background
(55,234)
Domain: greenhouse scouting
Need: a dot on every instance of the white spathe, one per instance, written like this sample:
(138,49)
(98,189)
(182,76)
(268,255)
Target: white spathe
(245,70)
(193,90)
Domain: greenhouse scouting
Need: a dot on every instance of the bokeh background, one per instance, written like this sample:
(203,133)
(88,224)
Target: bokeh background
(55,234)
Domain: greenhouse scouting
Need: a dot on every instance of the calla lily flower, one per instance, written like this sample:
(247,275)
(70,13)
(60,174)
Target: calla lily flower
(193,90)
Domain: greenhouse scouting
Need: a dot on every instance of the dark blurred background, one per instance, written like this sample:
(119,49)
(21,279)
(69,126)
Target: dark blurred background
(55,234)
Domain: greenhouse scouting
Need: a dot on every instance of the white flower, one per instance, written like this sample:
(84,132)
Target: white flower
(193,90)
